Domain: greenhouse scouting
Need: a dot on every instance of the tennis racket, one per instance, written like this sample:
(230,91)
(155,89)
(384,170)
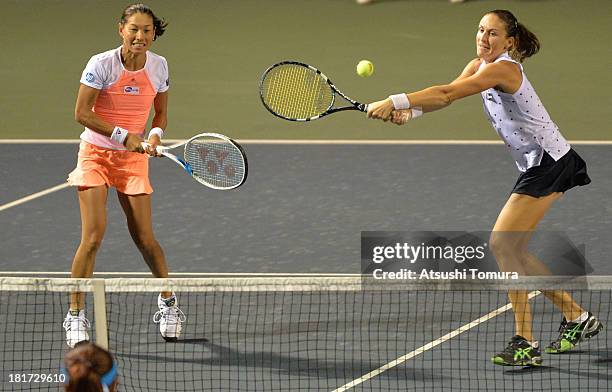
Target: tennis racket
(211,159)
(299,92)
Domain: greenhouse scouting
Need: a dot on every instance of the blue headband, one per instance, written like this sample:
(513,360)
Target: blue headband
(110,376)
(106,379)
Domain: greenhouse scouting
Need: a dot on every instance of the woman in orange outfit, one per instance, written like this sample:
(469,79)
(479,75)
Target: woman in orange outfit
(117,90)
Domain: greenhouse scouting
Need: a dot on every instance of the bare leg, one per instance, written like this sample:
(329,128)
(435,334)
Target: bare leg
(92,202)
(137,210)
(560,298)
(511,233)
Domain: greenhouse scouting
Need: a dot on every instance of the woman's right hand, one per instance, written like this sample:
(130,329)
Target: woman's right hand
(133,143)
(401,117)
(381,109)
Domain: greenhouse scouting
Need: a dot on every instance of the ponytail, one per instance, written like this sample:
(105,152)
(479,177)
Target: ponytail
(89,368)
(88,382)
(526,44)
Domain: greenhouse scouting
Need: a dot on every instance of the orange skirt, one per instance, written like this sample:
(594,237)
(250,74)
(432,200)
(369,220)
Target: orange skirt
(127,171)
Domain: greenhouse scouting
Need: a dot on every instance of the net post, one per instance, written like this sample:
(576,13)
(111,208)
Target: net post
(100,313)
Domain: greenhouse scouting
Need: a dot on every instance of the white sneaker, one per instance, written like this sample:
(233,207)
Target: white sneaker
(76,328)
(169,317)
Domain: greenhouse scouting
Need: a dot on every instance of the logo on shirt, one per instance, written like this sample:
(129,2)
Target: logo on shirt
(167,82)
(89,77)
(131,90)
(491,97)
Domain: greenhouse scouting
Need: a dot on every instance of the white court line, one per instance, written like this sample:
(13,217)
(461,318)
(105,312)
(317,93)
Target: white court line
(429,345)
(319,141)
(33,196)
(40,141)
(370,142)
(403,142)
(281,141)
(238,274)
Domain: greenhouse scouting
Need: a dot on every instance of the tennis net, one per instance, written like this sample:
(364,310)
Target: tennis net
(303,334)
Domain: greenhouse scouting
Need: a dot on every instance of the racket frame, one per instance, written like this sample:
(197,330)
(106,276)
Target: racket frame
(355,105)
(164,151)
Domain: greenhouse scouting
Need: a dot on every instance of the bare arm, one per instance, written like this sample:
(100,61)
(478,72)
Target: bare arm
(503,75)
(469,70)
(83,114)
(439,97)
(160,105)
(160,119)
(86,98)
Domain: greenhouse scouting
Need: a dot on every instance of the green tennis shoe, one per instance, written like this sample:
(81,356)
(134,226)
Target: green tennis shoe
(519,352)
(572,333)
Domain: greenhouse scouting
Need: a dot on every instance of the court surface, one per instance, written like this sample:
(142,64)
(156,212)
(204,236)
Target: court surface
(302,211)
(302,208)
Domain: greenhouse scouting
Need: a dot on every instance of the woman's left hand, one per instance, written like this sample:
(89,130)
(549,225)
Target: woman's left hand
(152,144)
(381,109)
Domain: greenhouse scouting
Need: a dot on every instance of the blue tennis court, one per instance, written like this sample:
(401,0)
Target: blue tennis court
(301,214)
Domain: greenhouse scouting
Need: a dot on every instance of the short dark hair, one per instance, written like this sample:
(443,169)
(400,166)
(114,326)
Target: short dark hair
(158,23)
(97,362)
(527,44)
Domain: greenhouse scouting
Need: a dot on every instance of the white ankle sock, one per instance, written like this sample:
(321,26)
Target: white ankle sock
(583,317)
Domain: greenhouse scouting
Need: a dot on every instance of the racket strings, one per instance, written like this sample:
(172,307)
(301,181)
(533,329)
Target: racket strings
(295,91)
(215,162)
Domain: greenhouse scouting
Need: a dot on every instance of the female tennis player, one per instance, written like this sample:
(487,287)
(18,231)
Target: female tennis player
(548,164)
(90,368)
(117,90)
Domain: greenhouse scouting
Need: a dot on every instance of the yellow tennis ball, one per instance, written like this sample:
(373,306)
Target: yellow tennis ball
(365,68)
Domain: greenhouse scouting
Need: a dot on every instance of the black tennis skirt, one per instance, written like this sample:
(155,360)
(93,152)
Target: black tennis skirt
(553,176)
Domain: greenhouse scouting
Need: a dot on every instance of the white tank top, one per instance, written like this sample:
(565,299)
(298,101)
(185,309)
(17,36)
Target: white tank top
(523,123)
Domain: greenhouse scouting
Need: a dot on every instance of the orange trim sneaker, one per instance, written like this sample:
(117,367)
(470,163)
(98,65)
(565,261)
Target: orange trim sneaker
(169,317)
(76,327)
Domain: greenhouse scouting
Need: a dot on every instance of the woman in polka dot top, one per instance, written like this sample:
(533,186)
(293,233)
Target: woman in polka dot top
(548,166)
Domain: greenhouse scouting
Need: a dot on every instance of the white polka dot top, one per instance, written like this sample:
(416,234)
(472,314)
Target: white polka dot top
(523,123)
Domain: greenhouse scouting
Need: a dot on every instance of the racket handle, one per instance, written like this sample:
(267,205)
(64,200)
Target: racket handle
(160,149)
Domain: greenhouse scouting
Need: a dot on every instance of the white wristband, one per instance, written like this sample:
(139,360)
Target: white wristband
(156,131)
(416,112)
(119,135)
(400,101)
